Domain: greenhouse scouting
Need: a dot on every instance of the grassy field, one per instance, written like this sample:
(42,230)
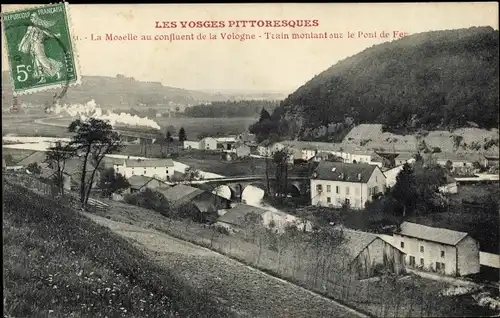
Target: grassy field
(60,264)
(23,124)
(16,154)
(408,296)
(34,129)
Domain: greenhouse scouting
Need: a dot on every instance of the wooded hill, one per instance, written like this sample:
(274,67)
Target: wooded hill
(432,80)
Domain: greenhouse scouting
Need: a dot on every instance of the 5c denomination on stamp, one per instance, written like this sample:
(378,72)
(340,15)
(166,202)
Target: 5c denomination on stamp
(40,48)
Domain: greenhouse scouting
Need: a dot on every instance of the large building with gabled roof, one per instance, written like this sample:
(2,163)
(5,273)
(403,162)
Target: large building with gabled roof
(162,169)
(437,249)
(334,184)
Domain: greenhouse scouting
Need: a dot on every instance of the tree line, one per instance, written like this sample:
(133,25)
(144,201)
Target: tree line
(229,109)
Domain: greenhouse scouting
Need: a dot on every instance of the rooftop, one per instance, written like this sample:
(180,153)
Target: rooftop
(433,234)
(149,163)
(311,145)
(356,241)
(491,157)
(238,214)
(347,172)
(180,194)
(137,182)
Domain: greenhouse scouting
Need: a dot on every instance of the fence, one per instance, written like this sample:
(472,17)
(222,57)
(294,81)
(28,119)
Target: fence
(39,186)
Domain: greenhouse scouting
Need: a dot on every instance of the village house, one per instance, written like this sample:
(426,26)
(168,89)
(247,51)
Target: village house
(439,250)
(263,149)
(246,137)
(356,156)
(391,175)
(226,143)
(387,159)
(450,186)
(243,216)
(491,161)
(162,169)
(457,161)
(326,156)
(204,201)
(242,150)
(191,144)
(302,150)
(141,183)
(335,184)
(403,158)
(367,252)
(207,143)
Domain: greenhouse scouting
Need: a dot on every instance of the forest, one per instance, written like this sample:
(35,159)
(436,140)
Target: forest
(432,80)
(231,109)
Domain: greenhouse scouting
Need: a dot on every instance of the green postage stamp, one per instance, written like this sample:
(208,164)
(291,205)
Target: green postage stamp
(40,48)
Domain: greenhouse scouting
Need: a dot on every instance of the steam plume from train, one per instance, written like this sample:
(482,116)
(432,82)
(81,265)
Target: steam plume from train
(92,110)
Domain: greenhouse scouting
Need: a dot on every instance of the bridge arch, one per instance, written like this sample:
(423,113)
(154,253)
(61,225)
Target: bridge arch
(253,192)
(293,189)
(224,191)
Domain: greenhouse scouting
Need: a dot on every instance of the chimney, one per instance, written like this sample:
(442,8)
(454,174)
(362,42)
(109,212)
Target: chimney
(359,176)
(342,176)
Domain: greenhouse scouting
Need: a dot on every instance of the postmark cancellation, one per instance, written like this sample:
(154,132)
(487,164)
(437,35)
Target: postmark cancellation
(40,48)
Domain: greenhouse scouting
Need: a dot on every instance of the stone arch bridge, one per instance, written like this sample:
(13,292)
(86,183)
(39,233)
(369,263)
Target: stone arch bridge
(233,187)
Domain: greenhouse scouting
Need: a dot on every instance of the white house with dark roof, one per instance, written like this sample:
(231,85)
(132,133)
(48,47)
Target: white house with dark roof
(162,169)
(207,143)
(436,249)
(335,184)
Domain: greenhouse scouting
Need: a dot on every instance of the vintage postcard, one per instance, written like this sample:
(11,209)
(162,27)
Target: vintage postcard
(251,160)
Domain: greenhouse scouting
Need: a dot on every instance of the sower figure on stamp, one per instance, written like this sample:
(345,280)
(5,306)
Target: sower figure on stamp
(32,43)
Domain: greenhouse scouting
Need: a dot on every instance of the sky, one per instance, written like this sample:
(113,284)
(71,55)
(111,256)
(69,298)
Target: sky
(254,65)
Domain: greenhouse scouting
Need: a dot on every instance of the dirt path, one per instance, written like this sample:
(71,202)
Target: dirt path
(249,292)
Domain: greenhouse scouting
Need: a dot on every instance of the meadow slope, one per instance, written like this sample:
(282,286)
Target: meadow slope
(58,263)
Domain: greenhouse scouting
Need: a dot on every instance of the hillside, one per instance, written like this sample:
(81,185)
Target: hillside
(58,263)
(434,80)
(456,143)
(115,92)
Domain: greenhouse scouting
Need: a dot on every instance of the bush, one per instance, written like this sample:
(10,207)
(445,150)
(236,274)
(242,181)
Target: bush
(221,229)
(149,199)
